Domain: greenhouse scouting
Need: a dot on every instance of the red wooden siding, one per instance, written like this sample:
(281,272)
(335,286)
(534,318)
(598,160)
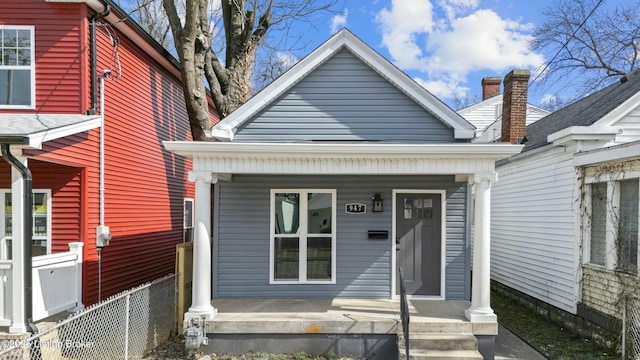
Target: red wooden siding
(144,184)
(59,52)
(64,182)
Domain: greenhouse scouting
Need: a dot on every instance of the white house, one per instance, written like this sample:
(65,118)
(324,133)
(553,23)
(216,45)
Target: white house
(564,214)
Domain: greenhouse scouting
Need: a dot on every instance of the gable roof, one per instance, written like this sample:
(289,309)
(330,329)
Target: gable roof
(344,39)
(486,116)
(584,112)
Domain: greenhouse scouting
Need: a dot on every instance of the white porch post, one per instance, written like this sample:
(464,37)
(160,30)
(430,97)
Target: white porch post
(17,249)
(76,247)
(201,291)
(480,310)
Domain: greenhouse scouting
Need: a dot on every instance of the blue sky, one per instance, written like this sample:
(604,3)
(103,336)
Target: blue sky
(447,46)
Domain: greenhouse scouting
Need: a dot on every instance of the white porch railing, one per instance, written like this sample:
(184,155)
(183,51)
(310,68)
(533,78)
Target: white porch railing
(56,280)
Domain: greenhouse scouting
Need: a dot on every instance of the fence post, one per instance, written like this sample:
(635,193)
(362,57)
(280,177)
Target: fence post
(126,326)
(76,247)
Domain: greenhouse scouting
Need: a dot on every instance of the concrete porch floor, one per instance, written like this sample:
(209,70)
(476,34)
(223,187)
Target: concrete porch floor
(337,316)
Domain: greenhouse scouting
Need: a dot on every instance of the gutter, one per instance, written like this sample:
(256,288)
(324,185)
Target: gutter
(93,55)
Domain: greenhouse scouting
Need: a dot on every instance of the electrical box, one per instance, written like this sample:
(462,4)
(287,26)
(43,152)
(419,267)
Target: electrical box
(103,236)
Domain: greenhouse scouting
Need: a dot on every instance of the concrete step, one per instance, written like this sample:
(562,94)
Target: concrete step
(441,355)
(440,327)
(441,341)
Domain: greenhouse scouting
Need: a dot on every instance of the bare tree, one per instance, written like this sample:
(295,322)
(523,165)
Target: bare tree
(595,41)
(227,67)
(461,101)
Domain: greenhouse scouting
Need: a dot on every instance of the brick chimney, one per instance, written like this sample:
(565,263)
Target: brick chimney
(490,87)
(514,106)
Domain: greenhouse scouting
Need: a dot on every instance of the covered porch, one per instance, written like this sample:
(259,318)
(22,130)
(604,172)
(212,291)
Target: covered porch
(221,161)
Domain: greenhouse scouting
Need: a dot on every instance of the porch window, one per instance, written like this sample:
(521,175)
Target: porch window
(41,225)
(17,67)
(187,224)
(302,236)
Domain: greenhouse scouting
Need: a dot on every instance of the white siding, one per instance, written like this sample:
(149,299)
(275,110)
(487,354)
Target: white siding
(631,125)
(534,239)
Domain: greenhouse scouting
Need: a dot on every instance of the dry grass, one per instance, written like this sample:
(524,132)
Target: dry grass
(552,340)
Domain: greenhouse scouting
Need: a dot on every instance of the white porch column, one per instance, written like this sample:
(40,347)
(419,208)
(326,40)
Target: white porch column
(201,288)
(76,247)
(17,249)
(480,310)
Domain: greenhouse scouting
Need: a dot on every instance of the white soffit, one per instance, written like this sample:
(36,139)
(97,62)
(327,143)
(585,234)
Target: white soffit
(334,158)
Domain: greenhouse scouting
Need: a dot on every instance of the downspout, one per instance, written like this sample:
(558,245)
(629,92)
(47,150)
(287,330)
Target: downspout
(93,66)
(27,224)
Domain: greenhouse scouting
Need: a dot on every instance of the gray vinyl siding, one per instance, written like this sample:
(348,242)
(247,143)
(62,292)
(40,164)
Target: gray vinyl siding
(344,100)
(363,268)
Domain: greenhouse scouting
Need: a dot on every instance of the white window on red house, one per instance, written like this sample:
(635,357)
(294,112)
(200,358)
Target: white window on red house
(17,67)
(41,224)
(303,241)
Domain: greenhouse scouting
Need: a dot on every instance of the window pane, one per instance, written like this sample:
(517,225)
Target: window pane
(24,39)
(9,38)
(598,223)
(319,258)
(287,213)
(40,215)
(15,87)
(188,214)
(286,258)
(319,213)
(628,232)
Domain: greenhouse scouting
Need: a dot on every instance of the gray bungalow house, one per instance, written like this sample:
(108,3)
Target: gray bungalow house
(338,173)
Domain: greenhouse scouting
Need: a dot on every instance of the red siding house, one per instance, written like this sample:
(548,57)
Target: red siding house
(91,183)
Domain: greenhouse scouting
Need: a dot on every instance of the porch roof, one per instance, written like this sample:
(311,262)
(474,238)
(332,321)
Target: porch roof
(342,158)
(34,129)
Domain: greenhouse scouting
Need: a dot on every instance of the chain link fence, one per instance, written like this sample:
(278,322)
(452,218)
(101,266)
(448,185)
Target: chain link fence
(631,343)
(125,326)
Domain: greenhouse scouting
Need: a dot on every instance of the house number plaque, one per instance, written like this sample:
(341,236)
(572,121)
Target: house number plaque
(355,208)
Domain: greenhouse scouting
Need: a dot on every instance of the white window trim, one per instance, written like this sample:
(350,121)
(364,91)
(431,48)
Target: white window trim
(31,68)
(4,236)
(613,197)
(302,235)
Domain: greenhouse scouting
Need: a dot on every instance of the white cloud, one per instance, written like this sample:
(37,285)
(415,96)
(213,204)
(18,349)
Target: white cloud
(286,60)
(454,7)
(339,21)
(450,41)
(443,88)
(400,25)
(481,40)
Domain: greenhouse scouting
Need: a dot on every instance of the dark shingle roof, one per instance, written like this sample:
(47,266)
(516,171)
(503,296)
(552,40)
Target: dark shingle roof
(584,112)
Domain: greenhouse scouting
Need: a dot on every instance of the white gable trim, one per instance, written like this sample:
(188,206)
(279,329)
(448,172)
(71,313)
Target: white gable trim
(225,129)
(619,112)
(584,133)
(608,154)
(312,158)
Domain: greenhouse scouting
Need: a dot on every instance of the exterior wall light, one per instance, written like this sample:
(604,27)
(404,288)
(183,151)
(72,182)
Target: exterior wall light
(377,203)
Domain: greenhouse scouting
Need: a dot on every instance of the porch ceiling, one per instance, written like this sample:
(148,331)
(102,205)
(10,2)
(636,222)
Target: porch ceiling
(342,158)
